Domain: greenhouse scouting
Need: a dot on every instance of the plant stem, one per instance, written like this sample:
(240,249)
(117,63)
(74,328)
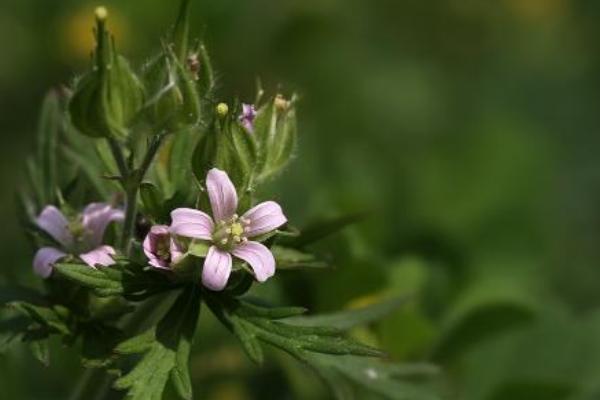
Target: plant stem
(119,157)
(131,185)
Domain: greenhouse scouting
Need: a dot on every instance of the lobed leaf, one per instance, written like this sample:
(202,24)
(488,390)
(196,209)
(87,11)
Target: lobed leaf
(166,349)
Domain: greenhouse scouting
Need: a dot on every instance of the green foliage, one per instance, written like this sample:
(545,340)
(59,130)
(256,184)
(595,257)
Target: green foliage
(166,348)
(125,279)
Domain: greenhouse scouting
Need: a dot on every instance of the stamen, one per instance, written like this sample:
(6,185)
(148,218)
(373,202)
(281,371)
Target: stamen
(224,241)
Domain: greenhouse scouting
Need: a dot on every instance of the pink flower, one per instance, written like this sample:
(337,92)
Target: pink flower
(160,248)
(82,237)
(230,233)
(247,117)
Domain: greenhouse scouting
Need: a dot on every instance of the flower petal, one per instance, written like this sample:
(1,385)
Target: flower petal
(53,221)
(222,194)
(101,256)
(259,257)
(95,219)
(216,270)
(264,218)
(150,245)
(191,223)
(44,260)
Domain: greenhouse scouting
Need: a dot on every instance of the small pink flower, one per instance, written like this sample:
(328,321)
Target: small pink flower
(247,117)
(160,248)
(230,233)
(82,237)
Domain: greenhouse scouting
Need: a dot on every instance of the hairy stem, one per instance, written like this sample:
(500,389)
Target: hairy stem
(131,185)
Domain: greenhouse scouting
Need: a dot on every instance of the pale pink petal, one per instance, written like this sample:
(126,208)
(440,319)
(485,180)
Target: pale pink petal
(44,260)
(191,223)
(150,245)
(95,219)
(53,221)
(216,270)
(101,256)
(152,242)
(264,218)
(259,257)
(222,194)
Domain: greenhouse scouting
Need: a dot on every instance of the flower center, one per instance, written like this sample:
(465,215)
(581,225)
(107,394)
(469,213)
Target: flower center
(163,248)
(81,236)
(228,234)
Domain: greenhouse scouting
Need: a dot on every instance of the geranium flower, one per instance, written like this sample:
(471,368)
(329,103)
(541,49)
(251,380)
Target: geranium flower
(81,237)
(247,117)
(160,247)
(229,233)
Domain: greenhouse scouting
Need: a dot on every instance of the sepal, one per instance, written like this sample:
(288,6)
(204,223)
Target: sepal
(108,98)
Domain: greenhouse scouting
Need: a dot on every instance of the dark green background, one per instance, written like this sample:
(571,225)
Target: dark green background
(468,128)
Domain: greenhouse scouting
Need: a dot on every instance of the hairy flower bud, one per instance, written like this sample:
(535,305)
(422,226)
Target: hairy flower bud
(222,109)
(106,99)
(275,133)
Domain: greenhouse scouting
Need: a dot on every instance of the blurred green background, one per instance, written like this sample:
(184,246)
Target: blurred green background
(469,129)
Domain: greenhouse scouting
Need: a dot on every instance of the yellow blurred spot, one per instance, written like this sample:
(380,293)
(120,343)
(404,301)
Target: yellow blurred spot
(222,109)
(76,32)
(229,391)
(547,10)
(365,301)
(101,13)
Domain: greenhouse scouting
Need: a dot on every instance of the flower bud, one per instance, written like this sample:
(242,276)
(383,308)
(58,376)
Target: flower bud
(175,102)
(222,109)
(106,99)
(281,104)
(275,133)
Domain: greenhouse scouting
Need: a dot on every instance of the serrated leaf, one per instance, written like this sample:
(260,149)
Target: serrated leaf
(39,349)
(44,316)
(125,280)
(257,322)
(11,331)
(348,319)
(166,351)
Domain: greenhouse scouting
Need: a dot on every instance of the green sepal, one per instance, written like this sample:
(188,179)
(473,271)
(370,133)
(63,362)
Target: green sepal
(108,98)
(275,131)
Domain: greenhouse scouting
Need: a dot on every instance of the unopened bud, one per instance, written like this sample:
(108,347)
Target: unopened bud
(101,13)
(193,65)
(222,109)
(281,103)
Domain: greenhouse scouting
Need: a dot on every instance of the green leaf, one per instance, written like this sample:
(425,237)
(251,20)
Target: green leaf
(39,349)
(254,324)
(166,349)
(321,229)
(345,320)
(11,331)
(388,380)
(287,258)
(483,311)
(48,129)
(98,342)
(52,318)
(128,280)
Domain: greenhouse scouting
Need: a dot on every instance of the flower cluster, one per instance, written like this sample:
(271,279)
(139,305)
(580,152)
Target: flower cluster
(228,235)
